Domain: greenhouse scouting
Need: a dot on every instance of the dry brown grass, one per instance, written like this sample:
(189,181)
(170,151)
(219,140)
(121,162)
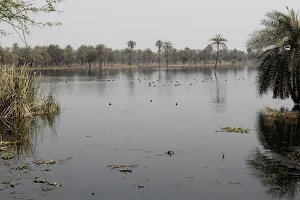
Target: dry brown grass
(281,114)
(21,96)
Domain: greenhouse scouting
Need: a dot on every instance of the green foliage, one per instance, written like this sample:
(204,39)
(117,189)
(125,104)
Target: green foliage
(54,55)
(131,44)
(278,46)
(23,167)
(102,53)
(219,43)
(168,46)
(282,114)
(159,44)
(234,130)
(148,55)
(21,15)
(90,55)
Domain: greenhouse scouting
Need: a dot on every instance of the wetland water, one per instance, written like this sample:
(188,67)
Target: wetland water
(134,130)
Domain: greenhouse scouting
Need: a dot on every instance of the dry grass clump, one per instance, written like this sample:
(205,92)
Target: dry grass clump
(20,94)
(281,114)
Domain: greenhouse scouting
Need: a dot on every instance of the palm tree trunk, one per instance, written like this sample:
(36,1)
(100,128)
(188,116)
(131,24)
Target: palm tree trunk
(217,58)
(296,89)
(216,63)
(167,59)
(130,57)
(159,59)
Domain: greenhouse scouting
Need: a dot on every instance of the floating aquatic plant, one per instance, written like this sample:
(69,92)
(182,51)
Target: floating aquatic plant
(234,130)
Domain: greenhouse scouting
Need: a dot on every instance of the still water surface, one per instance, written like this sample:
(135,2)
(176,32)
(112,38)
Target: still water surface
(134,130)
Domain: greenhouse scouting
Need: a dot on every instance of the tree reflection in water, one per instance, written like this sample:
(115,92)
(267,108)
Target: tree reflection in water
(277,165)
(23,133)
(219,98)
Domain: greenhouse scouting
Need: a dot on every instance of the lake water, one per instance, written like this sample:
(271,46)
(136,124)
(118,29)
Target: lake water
(141,124)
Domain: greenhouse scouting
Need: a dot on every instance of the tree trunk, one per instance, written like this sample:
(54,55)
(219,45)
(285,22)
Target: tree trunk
(167,59)
(130,57)
(217,58)
(296,89)
(159,59)
(90,64)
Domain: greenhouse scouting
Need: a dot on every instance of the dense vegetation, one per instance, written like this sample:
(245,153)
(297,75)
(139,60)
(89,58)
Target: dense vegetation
(101,55)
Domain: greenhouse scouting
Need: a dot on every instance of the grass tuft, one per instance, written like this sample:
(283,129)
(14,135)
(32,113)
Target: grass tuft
(281,114)
(21,96)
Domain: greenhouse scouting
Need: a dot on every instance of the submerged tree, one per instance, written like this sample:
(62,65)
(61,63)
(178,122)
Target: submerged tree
(219,43)
(131,44)
(159,44)
(278,44)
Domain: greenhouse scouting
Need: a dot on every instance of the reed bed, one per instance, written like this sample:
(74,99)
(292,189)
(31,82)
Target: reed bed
(21,95)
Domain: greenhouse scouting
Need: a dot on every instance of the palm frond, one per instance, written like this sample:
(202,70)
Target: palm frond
(279,42)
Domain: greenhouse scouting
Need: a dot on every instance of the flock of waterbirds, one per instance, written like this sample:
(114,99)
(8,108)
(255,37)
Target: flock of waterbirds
(176,84)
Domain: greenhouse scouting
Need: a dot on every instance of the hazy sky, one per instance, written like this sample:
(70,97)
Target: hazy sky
(186,23)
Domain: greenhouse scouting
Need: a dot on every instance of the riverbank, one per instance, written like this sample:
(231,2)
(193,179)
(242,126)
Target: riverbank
(152,65)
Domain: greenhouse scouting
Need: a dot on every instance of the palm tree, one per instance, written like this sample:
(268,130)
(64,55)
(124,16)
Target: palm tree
(159,44)
(168,46)
(278,45)
(219,43)
(131,44)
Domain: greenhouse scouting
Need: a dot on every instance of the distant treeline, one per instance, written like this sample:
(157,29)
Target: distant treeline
(101,55)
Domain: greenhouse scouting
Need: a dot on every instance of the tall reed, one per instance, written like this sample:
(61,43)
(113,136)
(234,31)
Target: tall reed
(21,96)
